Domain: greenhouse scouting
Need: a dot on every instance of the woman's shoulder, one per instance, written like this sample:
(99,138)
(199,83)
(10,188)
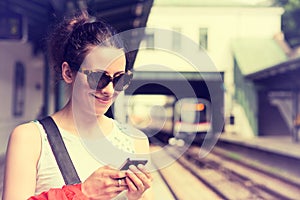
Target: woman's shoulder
(26,133)
(25,128)
(24,141)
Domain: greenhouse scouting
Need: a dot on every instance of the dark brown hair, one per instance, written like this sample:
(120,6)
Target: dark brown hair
(72,39)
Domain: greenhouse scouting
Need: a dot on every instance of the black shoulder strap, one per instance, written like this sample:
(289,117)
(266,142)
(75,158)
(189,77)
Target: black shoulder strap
(60,152)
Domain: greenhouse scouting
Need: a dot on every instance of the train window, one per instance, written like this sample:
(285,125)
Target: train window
(19,89)
(192,115)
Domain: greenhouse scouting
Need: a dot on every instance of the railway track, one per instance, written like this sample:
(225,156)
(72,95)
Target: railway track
(230,179)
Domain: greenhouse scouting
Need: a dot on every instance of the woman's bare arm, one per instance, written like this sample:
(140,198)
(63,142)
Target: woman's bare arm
(22,155)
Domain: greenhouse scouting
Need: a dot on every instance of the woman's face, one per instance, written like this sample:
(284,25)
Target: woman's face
(97,101)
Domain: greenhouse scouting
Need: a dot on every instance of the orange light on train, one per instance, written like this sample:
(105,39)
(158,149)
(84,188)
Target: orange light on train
(200,107)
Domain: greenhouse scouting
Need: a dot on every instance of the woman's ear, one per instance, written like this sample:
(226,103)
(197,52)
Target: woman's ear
(66,72)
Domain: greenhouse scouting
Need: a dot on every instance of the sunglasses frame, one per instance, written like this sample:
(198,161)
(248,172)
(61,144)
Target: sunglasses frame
(128,74)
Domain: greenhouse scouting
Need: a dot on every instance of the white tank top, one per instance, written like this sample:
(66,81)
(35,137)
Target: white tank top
(48,173)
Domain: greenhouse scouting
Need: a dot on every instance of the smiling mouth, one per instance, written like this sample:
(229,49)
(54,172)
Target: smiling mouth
(102,99)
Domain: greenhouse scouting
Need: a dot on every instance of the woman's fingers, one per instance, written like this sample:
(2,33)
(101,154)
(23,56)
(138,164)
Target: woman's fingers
(143,169)
(131,186)
(107,182)
(138,181)
(120,182)
(111,172)
(140,177)
(104,183)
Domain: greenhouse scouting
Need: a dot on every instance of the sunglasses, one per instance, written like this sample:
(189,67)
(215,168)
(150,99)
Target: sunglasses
(99,79)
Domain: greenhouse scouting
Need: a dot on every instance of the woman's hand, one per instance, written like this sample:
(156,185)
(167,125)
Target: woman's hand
(104,183)
(138,181)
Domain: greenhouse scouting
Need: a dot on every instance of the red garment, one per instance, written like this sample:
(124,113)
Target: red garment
(67,192)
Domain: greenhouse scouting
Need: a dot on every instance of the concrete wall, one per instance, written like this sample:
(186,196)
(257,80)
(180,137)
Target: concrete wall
(10,53)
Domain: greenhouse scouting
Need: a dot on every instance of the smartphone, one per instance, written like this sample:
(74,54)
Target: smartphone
(135,162)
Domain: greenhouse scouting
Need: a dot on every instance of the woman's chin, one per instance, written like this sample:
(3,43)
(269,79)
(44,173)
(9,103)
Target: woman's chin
(100,111)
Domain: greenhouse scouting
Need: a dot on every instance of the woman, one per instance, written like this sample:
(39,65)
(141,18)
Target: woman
(89,58)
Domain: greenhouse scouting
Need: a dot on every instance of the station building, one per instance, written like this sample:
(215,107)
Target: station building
(244,40)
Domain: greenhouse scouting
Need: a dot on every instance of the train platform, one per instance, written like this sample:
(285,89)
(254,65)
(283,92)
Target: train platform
(281,145)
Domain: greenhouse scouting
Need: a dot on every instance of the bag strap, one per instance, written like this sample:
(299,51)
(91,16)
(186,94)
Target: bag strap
(60,152)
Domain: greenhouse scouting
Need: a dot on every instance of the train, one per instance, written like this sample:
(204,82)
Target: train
(170,120)
(192,119)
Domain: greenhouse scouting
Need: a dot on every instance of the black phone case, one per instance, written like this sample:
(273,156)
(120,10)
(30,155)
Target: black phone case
(135,162)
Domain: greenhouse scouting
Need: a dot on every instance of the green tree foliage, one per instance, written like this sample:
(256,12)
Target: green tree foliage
(291,21)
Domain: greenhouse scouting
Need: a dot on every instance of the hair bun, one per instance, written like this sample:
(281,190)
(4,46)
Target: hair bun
(71,40)
(77,20)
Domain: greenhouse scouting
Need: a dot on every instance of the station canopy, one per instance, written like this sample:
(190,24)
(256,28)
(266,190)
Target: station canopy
(255,54)
(262,61)
(38,15)
(283,76)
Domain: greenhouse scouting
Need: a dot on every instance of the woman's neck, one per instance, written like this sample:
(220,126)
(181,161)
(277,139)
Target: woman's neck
(72,122)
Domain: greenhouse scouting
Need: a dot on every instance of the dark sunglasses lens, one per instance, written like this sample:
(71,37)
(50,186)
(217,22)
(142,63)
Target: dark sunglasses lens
(98,80)
(122,81)
(119,82)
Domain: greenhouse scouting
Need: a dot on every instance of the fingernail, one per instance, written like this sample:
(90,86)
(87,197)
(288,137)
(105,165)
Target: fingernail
(141,166)
(132,167)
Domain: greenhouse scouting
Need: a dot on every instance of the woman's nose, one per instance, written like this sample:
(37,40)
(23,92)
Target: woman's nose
(109,89)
